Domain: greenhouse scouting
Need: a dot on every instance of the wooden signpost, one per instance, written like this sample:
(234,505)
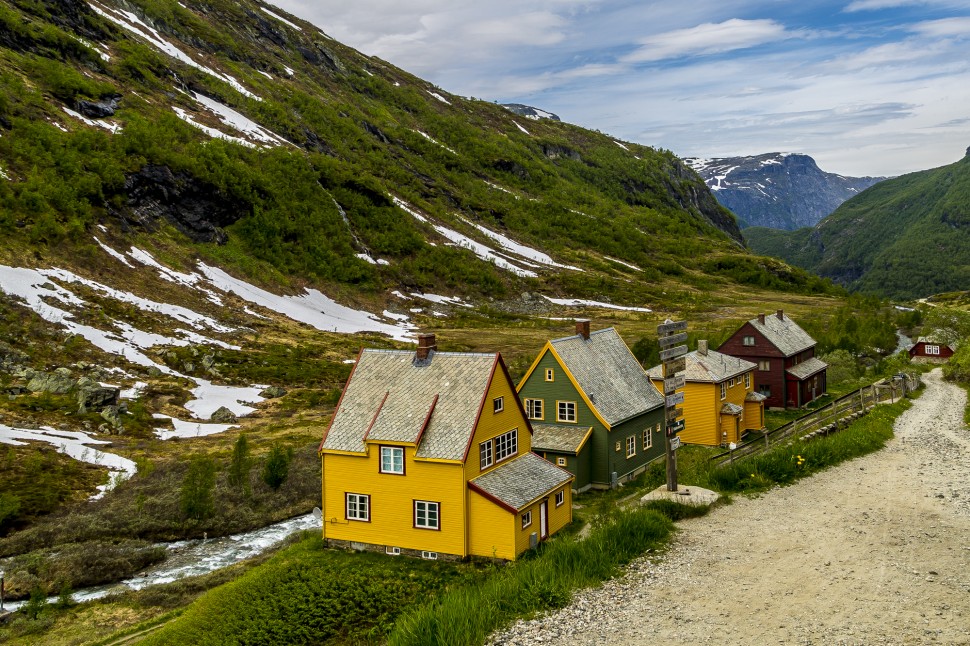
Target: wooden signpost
(671,335)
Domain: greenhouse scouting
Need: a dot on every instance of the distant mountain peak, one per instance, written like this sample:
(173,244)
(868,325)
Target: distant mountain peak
(780,190)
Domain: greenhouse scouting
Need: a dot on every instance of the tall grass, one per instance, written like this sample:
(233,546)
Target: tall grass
(466,615)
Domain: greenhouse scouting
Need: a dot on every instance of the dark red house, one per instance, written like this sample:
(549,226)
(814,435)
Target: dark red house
(788,374)
(932,349)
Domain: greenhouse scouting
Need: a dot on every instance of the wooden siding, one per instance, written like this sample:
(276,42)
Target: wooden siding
(703,423)
(492,529)
(491,424)
(624,466)
(535,386)
(762,350)
(919,350)
(392,501)
(578,465)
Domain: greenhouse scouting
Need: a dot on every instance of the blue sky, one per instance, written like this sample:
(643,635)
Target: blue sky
(867,87)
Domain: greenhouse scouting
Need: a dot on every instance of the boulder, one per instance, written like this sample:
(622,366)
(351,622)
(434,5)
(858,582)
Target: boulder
(92,396)
(272,392)
(98,109)
(223,415)
(58,382)
(112,415)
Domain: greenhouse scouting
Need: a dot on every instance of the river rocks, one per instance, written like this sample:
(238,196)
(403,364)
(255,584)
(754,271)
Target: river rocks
(223,415)
(272,392)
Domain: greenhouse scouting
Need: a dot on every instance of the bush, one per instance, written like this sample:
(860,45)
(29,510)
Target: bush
(197,488)
(277,466)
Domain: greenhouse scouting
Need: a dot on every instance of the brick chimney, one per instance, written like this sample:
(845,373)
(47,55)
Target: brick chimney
(426,345)
(702,347)
(780,314)
(582,328)
(761,319)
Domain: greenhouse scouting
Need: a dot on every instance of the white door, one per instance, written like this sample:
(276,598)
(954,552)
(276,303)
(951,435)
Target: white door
(543,510)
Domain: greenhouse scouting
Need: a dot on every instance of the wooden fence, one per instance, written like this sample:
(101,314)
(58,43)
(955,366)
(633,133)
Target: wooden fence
(828,419)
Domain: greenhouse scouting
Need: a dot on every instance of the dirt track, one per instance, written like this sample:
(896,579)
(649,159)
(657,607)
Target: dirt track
(875,551)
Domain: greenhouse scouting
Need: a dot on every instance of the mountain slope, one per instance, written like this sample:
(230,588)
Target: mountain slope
(777,190)
(906,237)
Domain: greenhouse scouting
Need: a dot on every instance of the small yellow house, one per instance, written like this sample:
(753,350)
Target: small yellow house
(719,403)
(429,454)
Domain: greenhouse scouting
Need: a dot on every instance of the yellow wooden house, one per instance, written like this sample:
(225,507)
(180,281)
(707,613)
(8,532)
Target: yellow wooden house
(429,454)
(719,403)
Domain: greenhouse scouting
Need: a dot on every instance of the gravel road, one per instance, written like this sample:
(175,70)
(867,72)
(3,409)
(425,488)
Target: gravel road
(874,551)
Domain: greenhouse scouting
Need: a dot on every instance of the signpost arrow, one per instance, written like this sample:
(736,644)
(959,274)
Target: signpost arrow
(673,400)
(671,326)
(673,383)
(675,427)
(673,353)
(673,339)
(674,366)
(674,413)
(674,443)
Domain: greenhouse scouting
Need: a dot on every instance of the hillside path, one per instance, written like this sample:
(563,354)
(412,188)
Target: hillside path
(874,551)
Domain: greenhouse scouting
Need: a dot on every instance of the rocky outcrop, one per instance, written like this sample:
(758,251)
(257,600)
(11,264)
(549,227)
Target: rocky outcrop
(196,208)
(99,109)
(272,392)
(58,382)
(777,190)
(92,396)
(529,112)
(223,415)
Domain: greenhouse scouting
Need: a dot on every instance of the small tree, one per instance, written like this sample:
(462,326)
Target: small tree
(277,467)
(241,464)
(197,488)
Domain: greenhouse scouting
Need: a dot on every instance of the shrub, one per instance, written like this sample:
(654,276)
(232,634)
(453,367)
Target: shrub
(197,488)
(277,466)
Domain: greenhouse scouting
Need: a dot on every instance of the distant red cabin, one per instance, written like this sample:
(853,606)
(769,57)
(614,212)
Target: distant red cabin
(927,350)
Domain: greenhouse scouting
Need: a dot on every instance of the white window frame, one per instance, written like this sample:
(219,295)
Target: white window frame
(647,439)
(723,390)
(486,454)
(360,511)
(560,461)
(747,380)
(932,349)
(506,445)
(430,509)
(392,451)
(731,383)
(748,341)
(631,446)
(550,374)
(564,407)
(530,408)
(560,497)
(498,404)
(526,519)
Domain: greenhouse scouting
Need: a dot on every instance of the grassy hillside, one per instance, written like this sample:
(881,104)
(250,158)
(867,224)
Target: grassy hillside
(906,237)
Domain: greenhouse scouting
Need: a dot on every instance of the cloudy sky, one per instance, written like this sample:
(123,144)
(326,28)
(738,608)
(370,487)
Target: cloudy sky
(867,87)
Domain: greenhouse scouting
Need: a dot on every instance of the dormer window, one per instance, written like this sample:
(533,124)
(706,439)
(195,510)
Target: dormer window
(392,459)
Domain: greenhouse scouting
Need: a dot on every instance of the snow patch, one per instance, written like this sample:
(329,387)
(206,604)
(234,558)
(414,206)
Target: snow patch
(183,429)
(622,262)
(281,19)
(120,257)
(517,125)
(439,97)
(579,302)
(107,125)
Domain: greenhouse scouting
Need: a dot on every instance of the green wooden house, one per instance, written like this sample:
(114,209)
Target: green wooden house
(594,409)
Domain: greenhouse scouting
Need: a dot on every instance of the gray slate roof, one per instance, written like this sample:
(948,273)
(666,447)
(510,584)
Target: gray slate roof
(784,333)
(609,374)
(945,337)
(807,368)
(522,481)
(731,409)
(754,397)
(713,367)
(391,394)
(568,439)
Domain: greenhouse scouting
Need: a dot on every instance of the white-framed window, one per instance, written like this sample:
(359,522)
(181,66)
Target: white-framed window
(731,383)
(723,389)
(561,461)
(560,497)
(748,340)
(764,365)
(431,556)
(392,459)
(747,380)
(358,506)
(533,409)
(506,445)
(550,374)
(392,551)
(631,446)
(485,454)
(647,439)
(565,411)
(498,404)
(932,349)
(526,519)
(427,515)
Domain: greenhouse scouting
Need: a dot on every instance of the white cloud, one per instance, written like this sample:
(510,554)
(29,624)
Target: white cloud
(709,38)
(944,28)
(876,5)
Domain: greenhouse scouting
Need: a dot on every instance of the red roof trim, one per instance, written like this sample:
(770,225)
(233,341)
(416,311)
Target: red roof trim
(341,400)
(427,420)
(481,407)
(484,494)
(376,413)
(518,400)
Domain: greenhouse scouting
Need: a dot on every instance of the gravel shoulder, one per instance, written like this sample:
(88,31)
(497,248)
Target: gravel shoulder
(874,551)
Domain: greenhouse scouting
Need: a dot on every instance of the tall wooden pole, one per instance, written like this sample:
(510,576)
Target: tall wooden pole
(671,335)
